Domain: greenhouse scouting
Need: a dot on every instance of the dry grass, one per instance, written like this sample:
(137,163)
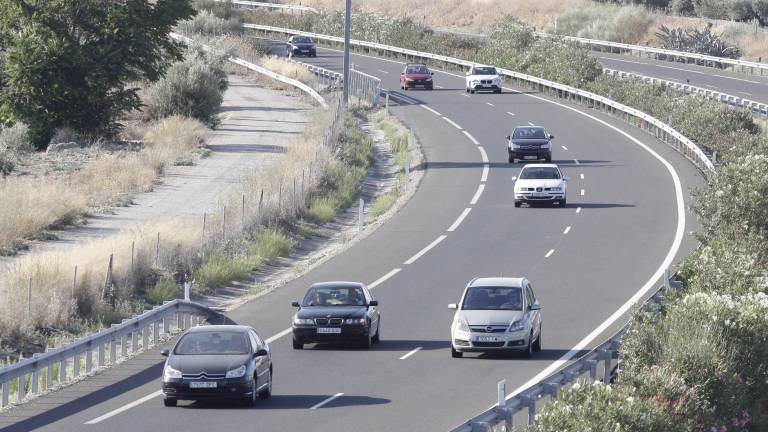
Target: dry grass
(290,70)
(28,206)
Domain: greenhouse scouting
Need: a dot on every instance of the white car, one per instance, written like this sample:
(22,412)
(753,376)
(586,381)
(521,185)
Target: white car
(483,78)
(541,183)
(497,313)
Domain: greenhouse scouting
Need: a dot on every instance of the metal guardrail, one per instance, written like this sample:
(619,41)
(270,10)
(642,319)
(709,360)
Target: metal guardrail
(361,85)
(756,108)
(655,126)
(64,364)
(745,66)
(269,5)
(504,411)
(264,71)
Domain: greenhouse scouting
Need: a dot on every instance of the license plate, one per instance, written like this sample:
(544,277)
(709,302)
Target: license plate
(304,50)
(530,157)
(539,194)
(202,384)
(488,339)
(329,330)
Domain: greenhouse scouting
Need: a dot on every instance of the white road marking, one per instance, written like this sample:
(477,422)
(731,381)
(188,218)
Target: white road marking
(483,154)
(737,79)
(567,230)
(382,279)
(125,407)
(399,98)
(471,138)
(531,123)
(576,161)
(710,86)
(745,93)
(271,339)
(490,104)
(382,71)
(484,177)
(460,219)
(510,113)
(682,69)
(465,95)
(413,259)
(623,61)
(452,123)
(440,87)
(414,351)
(479,192)
(549,254)
(578,210)
(564,148)
(582,192)
(431,110)
(337,395)
(582,176)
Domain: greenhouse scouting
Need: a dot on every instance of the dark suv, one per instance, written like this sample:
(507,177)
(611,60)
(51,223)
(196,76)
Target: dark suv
(301,46)
(529,143)
(416,75)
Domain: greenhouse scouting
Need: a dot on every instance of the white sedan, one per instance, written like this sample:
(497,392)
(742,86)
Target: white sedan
(541,183)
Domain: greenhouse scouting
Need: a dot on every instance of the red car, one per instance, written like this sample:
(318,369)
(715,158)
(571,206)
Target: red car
(416,75)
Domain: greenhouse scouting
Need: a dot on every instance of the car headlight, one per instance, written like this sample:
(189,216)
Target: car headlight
(546,146)
(409,79)
(170,373)
(515,146)
(496,80)
(353,321)
(462,326)
(555,189)
(429,78)
(517,326)
(237,372)
(303,321)
(475,82)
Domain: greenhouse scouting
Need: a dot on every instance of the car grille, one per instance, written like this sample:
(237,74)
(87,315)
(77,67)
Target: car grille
(488,344)
(529,147)
(488,329)
(202,375)
(486,81)
(327,321)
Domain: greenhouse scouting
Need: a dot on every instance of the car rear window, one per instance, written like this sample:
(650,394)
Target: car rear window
(539,173)
(334,296)
(212,343)
(529,133)
(493,298)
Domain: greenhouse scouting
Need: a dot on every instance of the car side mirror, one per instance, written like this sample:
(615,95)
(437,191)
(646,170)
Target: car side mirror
(295,304)
(509,137)
(260,353)
(373,303)
(453,306)
(468,73)
(431,73)
(402,73)
(566,178)
(534,307)
(551,136)
(165,353)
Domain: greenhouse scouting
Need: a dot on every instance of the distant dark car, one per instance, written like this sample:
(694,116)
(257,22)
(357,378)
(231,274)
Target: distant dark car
(530,143)
(301,46)
(334,312)
(416,75)
(216,362)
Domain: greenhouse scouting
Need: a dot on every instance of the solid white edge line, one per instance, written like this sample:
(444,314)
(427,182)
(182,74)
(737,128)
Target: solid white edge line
(578,210)
(484,177)
(460,219)
(483,154)
(431,110)
(452,122)
(471,138)
(549,254)
(479,192)
(382,279)
(316,406)
(410,353)
(125,407)
(419,254)
(567,230)
(273,338)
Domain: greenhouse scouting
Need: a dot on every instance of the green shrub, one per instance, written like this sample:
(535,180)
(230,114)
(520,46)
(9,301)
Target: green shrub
(696,41)
(15,139)
(321,210)
(206,23)
(165,289)
(626,24)
(219,271)
(383,203)
(271,244)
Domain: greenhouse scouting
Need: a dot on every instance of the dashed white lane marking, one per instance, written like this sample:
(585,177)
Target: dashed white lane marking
(431,110)
(623,61)
(460,219)
(483,154)
(452,123)
(325,402)
(471,138)
(745,93)
(490,104)
(511,113)
(567,230)
(564,148)
(681,69)
(125,407)
(582,192)
(479,192)
(576,161)
(578,209)
(440,87)
(484,177)
(549,254)
(582,176)
(710,86)
(465,95)
(413,259)
(278,336)
(382,71)
(410,353)
(382,279)
(531,123)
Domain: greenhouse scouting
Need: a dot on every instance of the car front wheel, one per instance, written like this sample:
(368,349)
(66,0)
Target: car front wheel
(537,345)
(170,402)
(529,349)
(456,353)
(267,392)
(518,203)
(297,344)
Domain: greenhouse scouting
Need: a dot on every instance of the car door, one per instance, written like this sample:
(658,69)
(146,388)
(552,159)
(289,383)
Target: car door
(373,311)
(261,363)
(535,314)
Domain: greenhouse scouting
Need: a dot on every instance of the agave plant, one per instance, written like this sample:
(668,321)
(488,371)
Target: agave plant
(696,41)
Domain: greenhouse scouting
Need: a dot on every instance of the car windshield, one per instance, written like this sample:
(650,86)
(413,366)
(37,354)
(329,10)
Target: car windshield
(529,133)
(334,296)
(540,173)
(417,69)
(493,298)
(485,70)
(212,343)
(302,39)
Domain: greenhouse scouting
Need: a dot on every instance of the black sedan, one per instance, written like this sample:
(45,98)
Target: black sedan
(215,362)
(334,312)
(301,46)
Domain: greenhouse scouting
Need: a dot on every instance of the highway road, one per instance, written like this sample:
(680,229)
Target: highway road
(626,220)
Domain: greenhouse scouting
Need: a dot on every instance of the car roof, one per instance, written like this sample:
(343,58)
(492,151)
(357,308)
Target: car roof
(206,328)
(337,284)
(540,166)
(529,127)
(512,282)
(415,64)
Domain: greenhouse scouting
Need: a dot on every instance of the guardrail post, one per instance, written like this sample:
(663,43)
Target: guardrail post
(76,366)
(88,358)
(480,427)
(156,333)
(6,392)
(35,382)
(592,369)
(48,377)
(22,389)
(113,351)
(530,402)
(102,360)
(134,341)
(124,345)
(166,324)
(607,357)
(552,389)
(145,338)
(63,371)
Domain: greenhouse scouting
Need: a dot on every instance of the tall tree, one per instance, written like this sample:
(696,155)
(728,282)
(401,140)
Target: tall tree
(68,63)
